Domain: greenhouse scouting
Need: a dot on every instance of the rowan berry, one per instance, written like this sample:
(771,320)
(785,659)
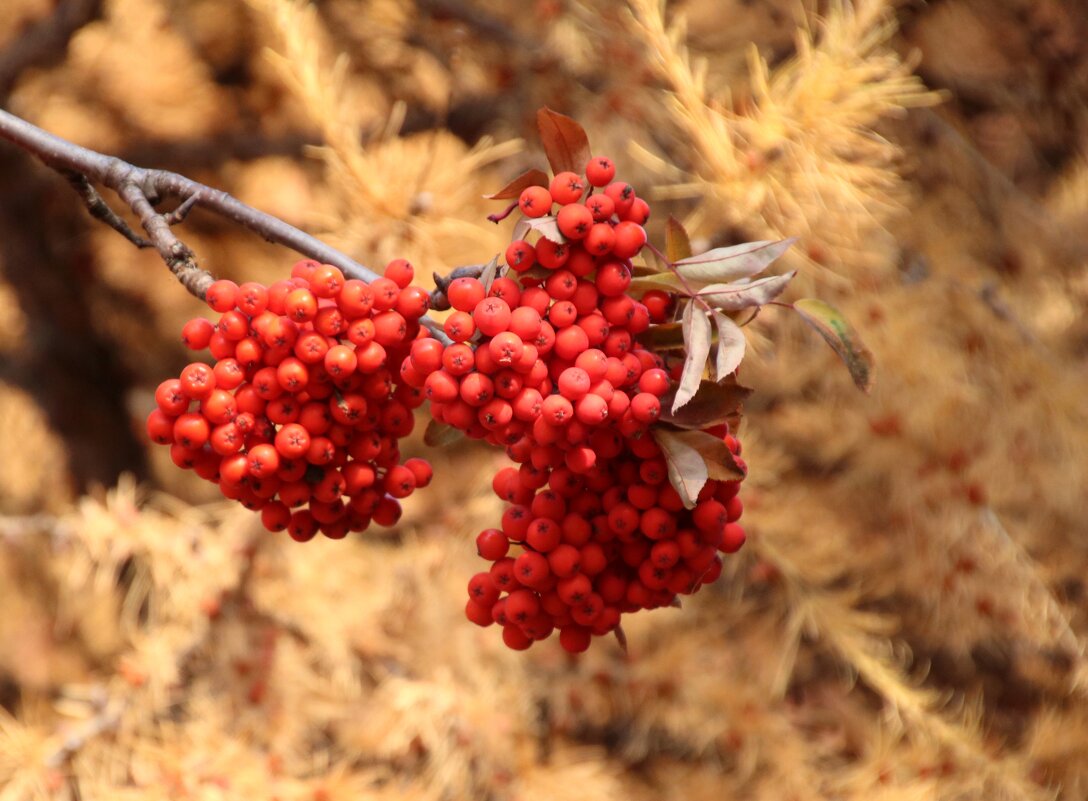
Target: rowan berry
(600,170)
(520,255)
(600,239)
(492,316)
(622,195)
(535,201)
(222,295)
(574,221)
(197,333)
(566,187)
(400,272)
(197,380)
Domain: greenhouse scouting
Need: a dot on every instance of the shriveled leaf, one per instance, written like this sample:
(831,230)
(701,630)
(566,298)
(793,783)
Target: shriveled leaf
(489,273)
(719,461)
(565,142)
(548,228)
(842,338)
(733,297)
(696,328)
(687,470)
(667,282)
(723,265)
(730,349)
(713,404)
(667,336)
(677,244)
(533,177)
(439,435)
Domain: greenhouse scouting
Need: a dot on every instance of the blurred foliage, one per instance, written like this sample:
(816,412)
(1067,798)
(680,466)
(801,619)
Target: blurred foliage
(908,618)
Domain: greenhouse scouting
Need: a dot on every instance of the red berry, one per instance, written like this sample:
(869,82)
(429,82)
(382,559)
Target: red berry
(535,201)
(600,170)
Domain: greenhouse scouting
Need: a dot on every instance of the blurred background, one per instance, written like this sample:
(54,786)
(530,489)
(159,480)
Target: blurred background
(908,618)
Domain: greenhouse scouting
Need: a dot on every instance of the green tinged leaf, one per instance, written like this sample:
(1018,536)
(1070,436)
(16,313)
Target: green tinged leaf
(533,177)
(730,348)
(723,265)
(687,470)
(565,142)
(677,244)
(696,327)
(439,435)
(667,282)
(548,228)
(714,404)
(842,338)
(667,336)
(734,297)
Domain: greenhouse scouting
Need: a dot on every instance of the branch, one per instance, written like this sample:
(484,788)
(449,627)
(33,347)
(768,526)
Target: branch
(141,188)
(101,210)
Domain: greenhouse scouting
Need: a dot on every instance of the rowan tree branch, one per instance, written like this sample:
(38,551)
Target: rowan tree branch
(141,189)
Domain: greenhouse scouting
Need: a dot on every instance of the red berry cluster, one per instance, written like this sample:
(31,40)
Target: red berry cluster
(550,368)
(302,413)
(613,539)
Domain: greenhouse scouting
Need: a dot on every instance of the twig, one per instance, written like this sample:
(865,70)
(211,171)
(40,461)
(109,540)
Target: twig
(141,188)
(101,210)
(439,301)
(179,214)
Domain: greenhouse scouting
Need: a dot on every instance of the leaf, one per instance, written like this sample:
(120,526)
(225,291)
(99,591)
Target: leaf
(842,338)
(731,344)
(521,229)
(723,265)
(677,244)
(489,273)
(687,470)
(720,463)
(696,328)
(713,404)
(667,336)
(533,177)
(439,435)
(548,228)
(733,297)
(565,142)
(664,281)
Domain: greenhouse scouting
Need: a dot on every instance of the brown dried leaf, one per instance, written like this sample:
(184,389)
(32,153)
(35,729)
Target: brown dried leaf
(565,142)
(713,404)
(512,190)
(720,463)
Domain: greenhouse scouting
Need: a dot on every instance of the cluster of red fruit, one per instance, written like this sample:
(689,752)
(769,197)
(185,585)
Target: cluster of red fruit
(551,368)
(302,414)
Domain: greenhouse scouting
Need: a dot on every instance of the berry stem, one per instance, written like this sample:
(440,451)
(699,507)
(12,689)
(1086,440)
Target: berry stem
(499,216)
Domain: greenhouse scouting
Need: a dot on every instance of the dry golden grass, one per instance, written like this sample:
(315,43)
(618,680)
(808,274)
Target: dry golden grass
(908,619)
